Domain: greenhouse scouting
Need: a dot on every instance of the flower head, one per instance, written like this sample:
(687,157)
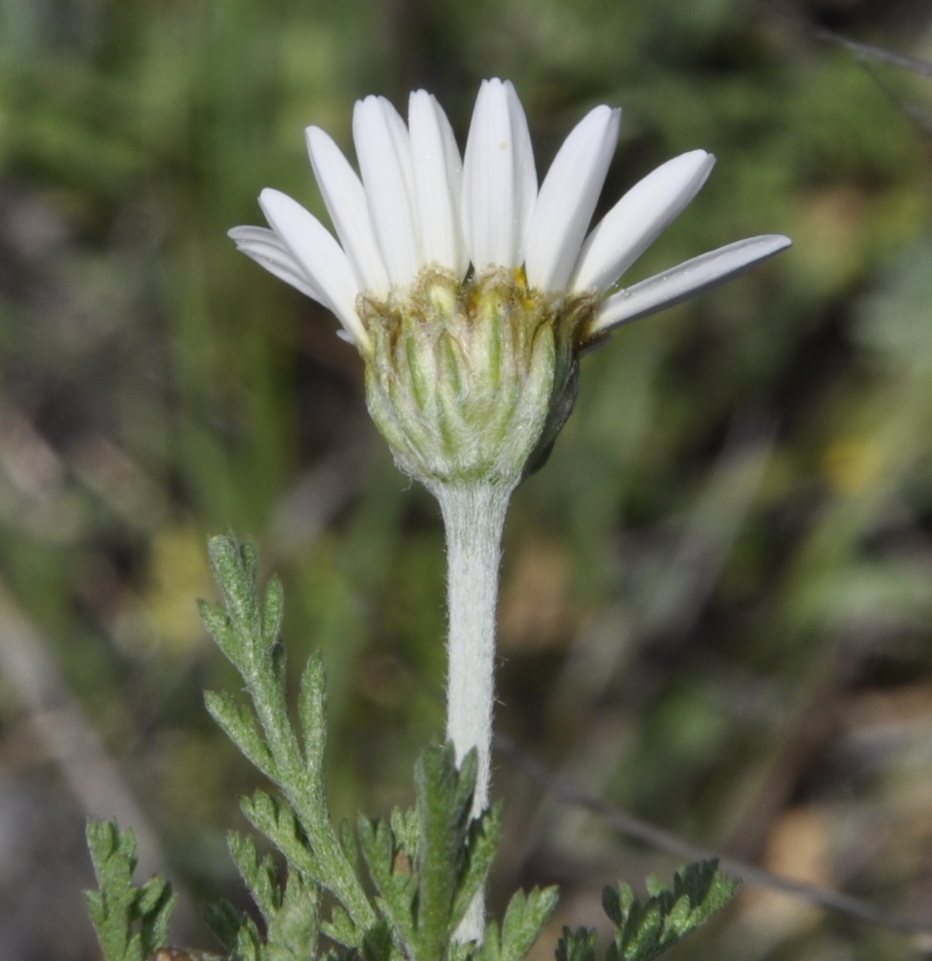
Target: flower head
(469,292)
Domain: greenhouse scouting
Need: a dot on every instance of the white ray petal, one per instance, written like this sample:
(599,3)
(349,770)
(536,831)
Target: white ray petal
(633,224)
(499,181)
(686,280)
(268,250)
(320,256)
(249,233)
(385,164)
(437,183)
(345,200)
(454,166)
(568,197)
(525,169)
(402,142)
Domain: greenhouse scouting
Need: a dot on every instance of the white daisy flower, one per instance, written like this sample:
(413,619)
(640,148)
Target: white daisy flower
(469,291)
(470,294)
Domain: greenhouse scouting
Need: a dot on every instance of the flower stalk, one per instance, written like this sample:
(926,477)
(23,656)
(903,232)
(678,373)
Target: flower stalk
(474,516)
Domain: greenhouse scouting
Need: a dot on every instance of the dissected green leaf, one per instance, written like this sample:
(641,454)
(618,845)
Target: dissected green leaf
(312,701)
(224,922)
(299,825)
(221,630)
(279,824)
(524,920)
(427,864)
(443,803)
(397,888)
(578,945)
(646,929)
(378,944)
(348,844)
(273,611)
(482,843)
(406,830)
(239,724)
(234,564)
(249,943)
(340,928)
(292,927)
(257,873)
(131,922)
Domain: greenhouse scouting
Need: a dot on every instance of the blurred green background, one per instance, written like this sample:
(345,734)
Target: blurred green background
(717,597)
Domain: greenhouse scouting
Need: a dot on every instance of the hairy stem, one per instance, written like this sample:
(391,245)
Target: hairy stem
(474,516)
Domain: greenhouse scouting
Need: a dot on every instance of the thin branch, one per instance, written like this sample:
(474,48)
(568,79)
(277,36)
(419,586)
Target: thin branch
(671,844)
(868,56)
(870,52)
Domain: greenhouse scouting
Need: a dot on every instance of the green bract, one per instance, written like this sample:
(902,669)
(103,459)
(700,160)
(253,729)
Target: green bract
(472,381)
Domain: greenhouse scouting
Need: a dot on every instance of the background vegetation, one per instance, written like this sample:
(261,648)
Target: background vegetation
(717,599)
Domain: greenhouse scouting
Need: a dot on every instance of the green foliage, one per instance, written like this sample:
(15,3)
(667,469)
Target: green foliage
(578,945)
(246,629)
(429,863)
(426,864)
(645,929)
(290,913)
(131,922)
(524,919)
